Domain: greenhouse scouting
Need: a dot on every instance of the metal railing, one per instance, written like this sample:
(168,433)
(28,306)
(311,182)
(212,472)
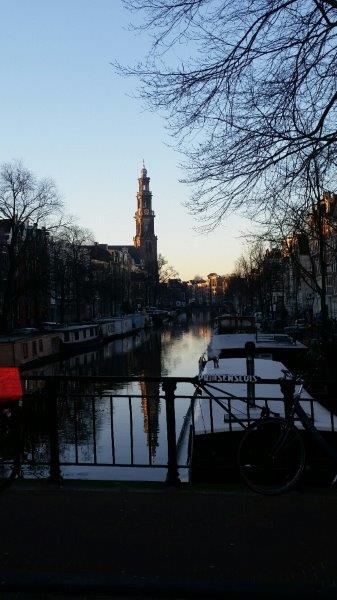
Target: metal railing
(98,422)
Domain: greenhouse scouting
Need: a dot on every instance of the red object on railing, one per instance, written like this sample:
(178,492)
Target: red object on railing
(10,384)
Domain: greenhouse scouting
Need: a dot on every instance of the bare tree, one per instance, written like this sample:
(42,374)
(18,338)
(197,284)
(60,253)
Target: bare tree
(24,201)
(165,271)
(307,235)
(254,104)
(252,279)
(71,271)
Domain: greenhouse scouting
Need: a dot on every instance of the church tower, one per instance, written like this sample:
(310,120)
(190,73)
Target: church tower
(145,239)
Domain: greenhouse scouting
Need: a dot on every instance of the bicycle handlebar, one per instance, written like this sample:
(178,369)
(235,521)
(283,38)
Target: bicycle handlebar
(289,375)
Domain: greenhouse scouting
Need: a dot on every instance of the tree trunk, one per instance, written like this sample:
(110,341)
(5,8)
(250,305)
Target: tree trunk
(323,274)
(9,309)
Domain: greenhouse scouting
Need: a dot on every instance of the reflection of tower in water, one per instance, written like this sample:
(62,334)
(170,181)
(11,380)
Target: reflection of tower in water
(150,366)
(150,404)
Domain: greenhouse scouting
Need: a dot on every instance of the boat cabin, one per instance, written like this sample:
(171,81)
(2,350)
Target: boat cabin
(280,347)
(76,336)
(17,350)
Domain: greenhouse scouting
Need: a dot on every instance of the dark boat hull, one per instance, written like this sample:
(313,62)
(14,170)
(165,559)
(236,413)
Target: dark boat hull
(213,458)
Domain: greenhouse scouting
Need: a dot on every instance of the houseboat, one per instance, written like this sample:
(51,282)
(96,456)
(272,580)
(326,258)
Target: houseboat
(231,334)
(22,350)
(241,397)
(276,346)
(74,338)
(127,325)
(110,327)
(159,316)
(138,321)
(32,346)
(236,392)
(113,327)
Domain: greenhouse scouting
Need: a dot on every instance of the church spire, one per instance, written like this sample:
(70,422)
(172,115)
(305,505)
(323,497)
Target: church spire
(144,196)
(145,238)
(143,172)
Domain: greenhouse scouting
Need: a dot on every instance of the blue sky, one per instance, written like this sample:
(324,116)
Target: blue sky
(67,115)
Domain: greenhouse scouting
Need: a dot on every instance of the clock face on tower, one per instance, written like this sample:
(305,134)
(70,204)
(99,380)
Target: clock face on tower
(146,211)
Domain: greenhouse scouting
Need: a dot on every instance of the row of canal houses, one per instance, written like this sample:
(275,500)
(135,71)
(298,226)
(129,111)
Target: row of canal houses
(296,274)
(59,281)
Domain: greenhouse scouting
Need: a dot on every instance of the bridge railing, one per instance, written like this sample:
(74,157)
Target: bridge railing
(133,422)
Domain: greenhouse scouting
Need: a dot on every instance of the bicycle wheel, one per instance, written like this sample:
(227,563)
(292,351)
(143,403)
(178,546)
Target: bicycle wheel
(9,453)
(271,456)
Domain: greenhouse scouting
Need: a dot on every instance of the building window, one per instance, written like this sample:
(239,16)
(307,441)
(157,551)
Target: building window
(77,335)
(66,336)
(40,345)
(84,333)
(91,331)
(34,346)
(25,350)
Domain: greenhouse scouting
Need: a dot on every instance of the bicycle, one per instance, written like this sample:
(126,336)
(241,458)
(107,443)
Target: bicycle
(271,455)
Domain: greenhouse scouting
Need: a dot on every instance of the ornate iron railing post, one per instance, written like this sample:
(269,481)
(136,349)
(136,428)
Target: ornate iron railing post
(250,367)
(169,387)
(288,391)
(52,392)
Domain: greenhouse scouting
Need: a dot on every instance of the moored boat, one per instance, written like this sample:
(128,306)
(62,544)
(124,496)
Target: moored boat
(268,346)
(22,350)
(113,327)
(237,392)
(241,396)
(231,334)
(159,316)
(76,337)
(138,321)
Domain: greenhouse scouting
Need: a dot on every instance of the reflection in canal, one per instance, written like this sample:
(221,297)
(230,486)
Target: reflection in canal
(138,422)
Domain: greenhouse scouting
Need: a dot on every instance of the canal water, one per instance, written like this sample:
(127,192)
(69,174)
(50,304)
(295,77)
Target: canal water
(85,430)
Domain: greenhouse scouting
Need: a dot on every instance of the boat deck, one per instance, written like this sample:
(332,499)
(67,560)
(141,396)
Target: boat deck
(229,409)
(262,341)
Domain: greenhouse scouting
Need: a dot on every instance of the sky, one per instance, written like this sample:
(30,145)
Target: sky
(67,115)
